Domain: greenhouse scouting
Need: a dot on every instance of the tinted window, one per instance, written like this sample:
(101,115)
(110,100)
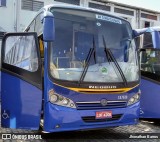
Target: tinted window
(150,64)
(147,41)
(2,2)
(148,16)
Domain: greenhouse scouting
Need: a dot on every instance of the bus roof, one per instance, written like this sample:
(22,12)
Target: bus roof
(155,32)
(47,7)
(147,30)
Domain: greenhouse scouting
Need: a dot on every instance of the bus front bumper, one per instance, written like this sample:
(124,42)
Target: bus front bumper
(58,118)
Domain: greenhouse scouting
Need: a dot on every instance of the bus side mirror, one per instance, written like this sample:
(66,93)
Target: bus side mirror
(48,27)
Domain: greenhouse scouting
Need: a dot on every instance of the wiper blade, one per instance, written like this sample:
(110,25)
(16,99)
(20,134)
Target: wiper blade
(94,46)
(110,58)
(89,55)
(107,53)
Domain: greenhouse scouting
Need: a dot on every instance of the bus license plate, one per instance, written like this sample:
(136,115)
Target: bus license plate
(103,114)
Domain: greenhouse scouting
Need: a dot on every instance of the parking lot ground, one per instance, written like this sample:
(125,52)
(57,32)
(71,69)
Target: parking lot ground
(144,128)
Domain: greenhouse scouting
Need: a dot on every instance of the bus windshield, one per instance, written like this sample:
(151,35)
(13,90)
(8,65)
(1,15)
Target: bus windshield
(77,32)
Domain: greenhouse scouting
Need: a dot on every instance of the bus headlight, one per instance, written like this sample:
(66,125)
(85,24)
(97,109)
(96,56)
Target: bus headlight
(134,99)
(65,101)
(57,99)
(53,98)
(137,96)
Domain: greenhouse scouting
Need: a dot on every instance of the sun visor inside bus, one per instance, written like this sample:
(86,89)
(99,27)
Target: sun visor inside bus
(48,27)
(156,39)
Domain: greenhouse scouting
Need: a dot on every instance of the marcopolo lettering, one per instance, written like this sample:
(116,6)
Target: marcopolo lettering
(109,19)
(102,87)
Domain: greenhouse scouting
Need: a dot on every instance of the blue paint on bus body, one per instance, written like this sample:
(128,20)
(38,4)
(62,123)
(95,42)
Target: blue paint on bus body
(150,99)
(71,119)
(18,103)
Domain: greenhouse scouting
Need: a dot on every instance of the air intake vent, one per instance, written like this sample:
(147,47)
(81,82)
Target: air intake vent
(75,2)
(32,5)
(124,11)
(99,6)
(98,105)
(37,5)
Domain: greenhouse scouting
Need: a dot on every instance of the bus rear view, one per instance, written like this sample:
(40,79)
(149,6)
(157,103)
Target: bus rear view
(90,74)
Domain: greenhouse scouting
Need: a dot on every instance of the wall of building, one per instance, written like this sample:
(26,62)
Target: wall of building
(7,16)
(14,18)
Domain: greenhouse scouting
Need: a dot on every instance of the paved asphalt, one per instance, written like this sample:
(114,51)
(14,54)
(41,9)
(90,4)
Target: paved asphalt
(115,134)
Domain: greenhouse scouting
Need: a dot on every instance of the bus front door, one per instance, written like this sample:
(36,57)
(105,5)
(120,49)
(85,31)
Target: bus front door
(21,81)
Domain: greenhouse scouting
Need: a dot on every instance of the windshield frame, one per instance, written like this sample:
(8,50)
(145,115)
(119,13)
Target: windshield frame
(85,84)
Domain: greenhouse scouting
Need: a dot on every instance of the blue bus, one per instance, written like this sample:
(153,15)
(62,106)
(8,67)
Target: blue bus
(150,72)
(73,68)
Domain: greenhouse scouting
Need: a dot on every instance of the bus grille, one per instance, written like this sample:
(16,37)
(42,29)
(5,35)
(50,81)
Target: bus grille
(91,119)
(98,105)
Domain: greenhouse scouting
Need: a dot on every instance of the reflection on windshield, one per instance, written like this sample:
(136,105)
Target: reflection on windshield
(74,39)
(111,57)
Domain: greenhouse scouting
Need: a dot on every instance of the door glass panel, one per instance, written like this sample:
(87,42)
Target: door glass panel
(20,51)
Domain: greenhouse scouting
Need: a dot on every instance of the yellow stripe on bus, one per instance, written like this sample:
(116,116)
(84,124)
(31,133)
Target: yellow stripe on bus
(99,91)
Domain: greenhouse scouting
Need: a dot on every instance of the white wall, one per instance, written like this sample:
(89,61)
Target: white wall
(7,16)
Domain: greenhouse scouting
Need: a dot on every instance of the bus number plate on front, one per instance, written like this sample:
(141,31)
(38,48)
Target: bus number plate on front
(103,114)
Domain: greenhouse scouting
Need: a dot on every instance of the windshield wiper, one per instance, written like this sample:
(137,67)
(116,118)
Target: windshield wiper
(94,46)
(110,58)
(89,55)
